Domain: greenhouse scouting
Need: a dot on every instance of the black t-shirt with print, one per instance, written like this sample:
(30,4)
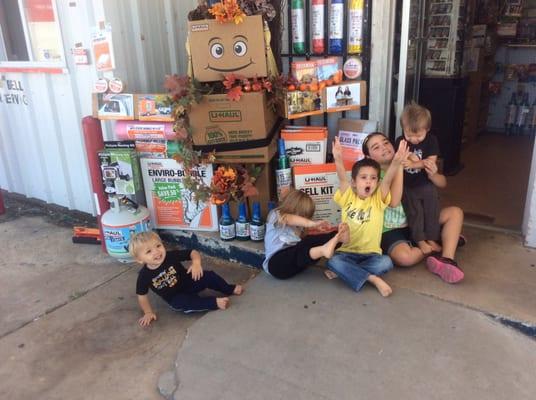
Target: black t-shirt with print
(169,279)
(428,147)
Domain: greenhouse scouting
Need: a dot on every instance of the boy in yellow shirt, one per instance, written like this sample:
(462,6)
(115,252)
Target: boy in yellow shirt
(363,201)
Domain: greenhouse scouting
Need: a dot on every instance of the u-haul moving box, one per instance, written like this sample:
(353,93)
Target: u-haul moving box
(305,147)
(171,205)
(217,119)
(218,49)
(320,182)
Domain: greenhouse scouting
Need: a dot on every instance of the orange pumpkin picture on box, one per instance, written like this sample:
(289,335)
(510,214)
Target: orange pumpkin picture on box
(218,49)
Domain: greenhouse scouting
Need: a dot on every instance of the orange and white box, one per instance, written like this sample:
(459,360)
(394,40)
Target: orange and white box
(320,182)
(305,146)
(351,134)
(172,206)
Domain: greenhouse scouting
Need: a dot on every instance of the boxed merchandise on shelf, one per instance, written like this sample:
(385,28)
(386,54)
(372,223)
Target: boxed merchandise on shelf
(352,133)
(304,71)
(172,206)
(445,34)
(320,182)
(153,107)
(349,95)
(114,106)
(315,72)
(305,145)
(120,169)
(299,104)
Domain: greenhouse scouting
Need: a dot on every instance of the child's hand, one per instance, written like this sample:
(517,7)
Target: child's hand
(411,161)
(430,166)
(196,270)
(402,154)
(147,319)
(321,225)
(336,149)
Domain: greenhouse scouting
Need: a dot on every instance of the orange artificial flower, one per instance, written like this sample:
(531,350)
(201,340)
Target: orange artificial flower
(227,11)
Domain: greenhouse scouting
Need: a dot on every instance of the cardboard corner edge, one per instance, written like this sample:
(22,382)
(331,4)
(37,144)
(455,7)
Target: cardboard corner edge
(95,104)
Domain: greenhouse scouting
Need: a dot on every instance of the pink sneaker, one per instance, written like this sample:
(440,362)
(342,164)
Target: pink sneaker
(446,268)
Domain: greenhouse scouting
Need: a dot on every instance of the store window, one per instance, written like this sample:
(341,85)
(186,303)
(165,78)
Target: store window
(30,32)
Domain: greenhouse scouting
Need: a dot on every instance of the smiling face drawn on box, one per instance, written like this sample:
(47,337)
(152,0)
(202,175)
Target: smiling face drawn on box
(217,49)
(228,54)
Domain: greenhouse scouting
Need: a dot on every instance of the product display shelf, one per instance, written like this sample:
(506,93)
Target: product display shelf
(308,55)
(508,55)
(445,30)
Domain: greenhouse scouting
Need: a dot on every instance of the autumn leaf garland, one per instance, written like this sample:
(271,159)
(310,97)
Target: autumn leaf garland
(229,182)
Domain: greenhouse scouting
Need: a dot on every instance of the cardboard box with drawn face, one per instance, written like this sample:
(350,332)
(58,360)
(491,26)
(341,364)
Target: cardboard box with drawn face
(218,49)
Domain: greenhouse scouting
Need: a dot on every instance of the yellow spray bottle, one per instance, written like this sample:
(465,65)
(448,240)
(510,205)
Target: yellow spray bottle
(355,26)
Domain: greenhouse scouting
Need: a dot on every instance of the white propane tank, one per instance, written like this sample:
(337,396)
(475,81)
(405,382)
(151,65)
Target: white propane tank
(119,223)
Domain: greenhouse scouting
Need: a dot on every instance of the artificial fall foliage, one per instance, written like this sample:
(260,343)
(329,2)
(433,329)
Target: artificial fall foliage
(236,85)
(229,182)
(233,183)
(227,11)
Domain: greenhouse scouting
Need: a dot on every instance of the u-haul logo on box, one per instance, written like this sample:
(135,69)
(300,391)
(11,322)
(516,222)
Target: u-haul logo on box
(225,116)
(199,28)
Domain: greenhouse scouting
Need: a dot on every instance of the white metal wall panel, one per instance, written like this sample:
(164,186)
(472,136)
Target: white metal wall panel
(37,161)
(41,145)
(11,162)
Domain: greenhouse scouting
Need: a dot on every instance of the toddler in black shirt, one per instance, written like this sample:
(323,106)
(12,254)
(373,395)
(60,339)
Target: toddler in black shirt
(420,198)
(163,273)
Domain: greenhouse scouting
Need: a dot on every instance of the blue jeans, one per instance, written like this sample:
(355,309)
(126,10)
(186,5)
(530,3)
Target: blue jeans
(354,268)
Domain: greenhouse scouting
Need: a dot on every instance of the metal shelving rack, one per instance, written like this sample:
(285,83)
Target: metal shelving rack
(364,55)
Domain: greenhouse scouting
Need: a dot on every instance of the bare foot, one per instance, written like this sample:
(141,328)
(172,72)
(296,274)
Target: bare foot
(222,302)
(344,233)
(330,274)
(434,245)
(382,286)
(425,247)
(328,249)
(238,290)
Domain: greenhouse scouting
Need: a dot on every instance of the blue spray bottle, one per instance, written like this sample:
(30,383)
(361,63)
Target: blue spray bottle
(336,21)
(227,224)
(242,223)
(257,227)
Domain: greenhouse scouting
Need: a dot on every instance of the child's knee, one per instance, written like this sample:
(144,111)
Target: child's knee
(404,259)
(339,262)
(457,213)
(209,274)
(384,264)
(336,263)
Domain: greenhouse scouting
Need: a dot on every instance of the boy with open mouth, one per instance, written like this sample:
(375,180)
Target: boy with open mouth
(363,201)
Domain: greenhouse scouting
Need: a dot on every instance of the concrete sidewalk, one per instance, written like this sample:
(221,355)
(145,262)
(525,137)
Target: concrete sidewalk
(68,329)
(68,319)
(310,338)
